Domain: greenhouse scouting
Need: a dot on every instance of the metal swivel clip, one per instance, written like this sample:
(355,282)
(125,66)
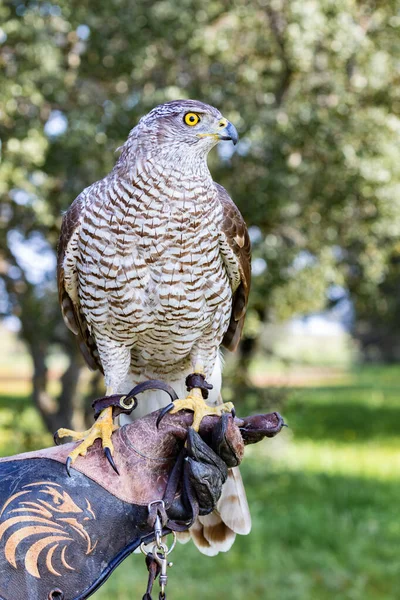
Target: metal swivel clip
(158,557)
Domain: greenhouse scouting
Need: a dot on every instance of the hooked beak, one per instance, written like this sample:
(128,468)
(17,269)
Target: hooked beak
(224,131)
(227,131)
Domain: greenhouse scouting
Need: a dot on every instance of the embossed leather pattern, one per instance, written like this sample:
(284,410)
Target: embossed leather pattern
(60,533)
(61,537)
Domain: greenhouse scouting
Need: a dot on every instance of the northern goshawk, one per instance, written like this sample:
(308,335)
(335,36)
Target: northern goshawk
(154,276)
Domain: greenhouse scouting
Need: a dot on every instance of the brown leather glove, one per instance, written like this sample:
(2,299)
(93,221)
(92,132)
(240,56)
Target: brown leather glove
(61,537)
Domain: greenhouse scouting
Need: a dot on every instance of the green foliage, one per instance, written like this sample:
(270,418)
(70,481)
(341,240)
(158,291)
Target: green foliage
(310,85)
(323,496)
(20,425)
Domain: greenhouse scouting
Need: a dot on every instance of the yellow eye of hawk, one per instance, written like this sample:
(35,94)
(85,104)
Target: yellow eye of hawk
(191,119)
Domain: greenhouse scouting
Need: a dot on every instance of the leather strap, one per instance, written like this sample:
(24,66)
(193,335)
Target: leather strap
(126,403)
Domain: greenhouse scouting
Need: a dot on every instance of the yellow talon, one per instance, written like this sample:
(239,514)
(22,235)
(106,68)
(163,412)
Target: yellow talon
(103,428)
(195,402)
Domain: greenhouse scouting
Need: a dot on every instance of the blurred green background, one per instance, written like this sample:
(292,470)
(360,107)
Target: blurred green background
(313,88)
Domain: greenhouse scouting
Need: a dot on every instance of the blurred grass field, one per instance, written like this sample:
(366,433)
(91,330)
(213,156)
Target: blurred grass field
(324,497)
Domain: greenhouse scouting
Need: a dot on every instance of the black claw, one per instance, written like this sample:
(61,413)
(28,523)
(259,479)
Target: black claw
(56,439)
(110,459)
(285,425)
(233,412)
(68,466)
(163,413)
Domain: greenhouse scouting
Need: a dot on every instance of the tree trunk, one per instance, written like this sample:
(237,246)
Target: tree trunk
(246,351)
(54,412)
(96,389)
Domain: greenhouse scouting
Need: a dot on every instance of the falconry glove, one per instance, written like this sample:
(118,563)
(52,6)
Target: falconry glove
(61,537)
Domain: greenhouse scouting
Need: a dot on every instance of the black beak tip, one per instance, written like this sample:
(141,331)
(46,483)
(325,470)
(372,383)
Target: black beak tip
(233,134)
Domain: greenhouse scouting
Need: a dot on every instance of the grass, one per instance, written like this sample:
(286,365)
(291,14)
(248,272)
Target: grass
(324,497)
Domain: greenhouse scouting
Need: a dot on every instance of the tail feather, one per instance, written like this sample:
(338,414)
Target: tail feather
(233,506)
(183,536)
(211,536)
(217,531)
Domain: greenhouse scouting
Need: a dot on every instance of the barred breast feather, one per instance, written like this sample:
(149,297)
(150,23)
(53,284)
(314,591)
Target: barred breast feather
(154,265)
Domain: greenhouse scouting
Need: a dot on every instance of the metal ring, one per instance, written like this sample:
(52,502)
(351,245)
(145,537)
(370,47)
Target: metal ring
(157,550)
(142,549)
(56,594)
(173,542)
(155,502)
(162,546)
(126,402)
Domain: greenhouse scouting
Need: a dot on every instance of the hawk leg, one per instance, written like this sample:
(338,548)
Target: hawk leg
(103,428)
(195,401)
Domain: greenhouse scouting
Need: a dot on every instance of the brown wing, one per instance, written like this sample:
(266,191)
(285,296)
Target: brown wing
(237,258)
(73,317)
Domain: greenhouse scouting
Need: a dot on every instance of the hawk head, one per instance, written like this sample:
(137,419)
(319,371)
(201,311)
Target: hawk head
(42,517)
(189,125)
